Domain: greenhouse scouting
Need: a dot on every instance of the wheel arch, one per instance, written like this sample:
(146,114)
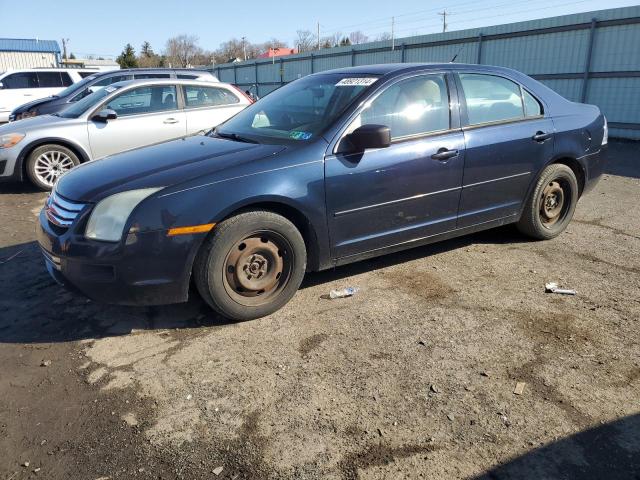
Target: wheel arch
(81,153)
(576,167)
(292,213)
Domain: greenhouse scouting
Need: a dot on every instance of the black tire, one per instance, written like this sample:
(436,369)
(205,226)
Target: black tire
(59,159)
(551,205)
(251,265)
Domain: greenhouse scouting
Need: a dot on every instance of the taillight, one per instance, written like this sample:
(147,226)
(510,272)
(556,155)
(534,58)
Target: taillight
(244,94)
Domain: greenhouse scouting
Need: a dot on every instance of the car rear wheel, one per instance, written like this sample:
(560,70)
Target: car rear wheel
(552,203)
(251,265)
(47,163)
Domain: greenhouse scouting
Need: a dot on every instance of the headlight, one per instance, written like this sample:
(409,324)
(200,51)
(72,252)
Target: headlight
(10,139)
(110,215)
(605,136)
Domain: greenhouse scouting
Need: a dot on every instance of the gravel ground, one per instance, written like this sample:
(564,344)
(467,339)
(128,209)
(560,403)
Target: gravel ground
(413,377)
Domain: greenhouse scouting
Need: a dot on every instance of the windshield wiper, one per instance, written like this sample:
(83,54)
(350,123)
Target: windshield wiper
(234,136)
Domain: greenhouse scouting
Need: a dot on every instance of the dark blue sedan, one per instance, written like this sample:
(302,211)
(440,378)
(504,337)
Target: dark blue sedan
(330,169)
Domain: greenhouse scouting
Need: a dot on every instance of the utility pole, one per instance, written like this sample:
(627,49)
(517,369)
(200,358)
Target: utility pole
(443,14)
(244,48)
(393,38)
(64,48)
(318,30)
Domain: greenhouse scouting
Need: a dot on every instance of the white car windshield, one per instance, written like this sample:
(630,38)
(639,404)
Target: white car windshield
(299,111)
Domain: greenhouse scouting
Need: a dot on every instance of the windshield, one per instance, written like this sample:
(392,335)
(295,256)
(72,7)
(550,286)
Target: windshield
(76,87)
(299,111)
(90,101)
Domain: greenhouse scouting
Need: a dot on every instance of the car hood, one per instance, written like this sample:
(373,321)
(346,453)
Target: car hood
(29,124)
(34,103)
(161,165)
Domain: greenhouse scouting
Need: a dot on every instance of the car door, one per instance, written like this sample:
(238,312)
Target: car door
(146,115)
(409,190)
(207,106)
(507,138)
(17,88)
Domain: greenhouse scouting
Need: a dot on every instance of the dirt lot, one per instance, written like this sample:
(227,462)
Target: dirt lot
(413,377)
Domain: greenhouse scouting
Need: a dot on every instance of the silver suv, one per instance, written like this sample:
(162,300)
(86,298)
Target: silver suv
(118,117)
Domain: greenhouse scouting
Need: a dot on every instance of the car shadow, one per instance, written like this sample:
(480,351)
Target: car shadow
(35,309)
(610,451)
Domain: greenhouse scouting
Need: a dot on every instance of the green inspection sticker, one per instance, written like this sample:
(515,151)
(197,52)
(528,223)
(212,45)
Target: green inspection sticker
(296,135)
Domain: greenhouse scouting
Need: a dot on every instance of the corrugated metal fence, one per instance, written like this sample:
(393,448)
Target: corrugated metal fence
(591,57)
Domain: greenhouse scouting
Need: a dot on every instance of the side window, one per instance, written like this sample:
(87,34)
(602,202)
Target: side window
(532,107)
(411,107)
(109,80)
(21,80)
(66,79)
(85,74)
(490,98)
(197,96)
(50,79)
(187,77)
(144,100)
(138,76)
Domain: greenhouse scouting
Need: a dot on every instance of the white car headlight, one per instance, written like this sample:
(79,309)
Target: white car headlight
(110,215)
(605,137)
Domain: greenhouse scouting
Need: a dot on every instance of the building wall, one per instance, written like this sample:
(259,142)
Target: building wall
(593,62)
(14,60)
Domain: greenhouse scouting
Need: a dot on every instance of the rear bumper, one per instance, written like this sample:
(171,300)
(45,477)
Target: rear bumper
(594,165)
(144,269)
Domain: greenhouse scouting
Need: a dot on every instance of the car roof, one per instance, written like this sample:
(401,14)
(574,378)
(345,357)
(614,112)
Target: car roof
(168,81)
(394,68)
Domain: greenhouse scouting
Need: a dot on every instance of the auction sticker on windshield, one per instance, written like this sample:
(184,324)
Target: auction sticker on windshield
(356,82)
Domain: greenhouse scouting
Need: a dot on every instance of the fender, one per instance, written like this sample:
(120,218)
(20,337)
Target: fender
(19,166)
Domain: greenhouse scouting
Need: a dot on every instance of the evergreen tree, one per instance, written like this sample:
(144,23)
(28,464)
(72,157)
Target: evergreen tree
(127,59)
(146,50)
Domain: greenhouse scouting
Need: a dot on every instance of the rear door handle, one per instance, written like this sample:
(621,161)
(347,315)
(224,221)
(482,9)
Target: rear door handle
(444,154)
(541,136)
(171,120)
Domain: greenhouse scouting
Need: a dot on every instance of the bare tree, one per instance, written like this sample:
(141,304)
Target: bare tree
(273,43)
(235,48)
(305,41)
(181,50)
(383,36)
(358,37)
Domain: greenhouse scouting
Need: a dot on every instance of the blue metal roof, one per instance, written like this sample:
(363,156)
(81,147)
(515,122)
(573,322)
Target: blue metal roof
(28,45)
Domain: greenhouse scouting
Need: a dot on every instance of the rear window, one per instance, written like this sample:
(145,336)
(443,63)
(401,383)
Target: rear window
(201,96)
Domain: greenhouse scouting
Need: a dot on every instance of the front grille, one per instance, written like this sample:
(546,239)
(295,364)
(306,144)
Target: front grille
(60,211)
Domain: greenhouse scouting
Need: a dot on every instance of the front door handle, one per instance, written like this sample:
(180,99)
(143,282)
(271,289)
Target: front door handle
(541,136)
(444,154)
(171,120)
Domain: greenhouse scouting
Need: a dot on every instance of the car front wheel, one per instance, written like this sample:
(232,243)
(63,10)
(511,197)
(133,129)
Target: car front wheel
(251,265)
(552,203)
(47,163)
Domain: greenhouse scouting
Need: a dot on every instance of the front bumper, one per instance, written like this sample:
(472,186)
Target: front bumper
(8,163)
(144,269)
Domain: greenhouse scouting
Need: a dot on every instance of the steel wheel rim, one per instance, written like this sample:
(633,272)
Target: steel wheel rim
(257,268)
(50,165)
(553,205)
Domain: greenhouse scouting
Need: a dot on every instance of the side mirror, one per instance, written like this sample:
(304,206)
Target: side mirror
(105,115)
(367,136)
